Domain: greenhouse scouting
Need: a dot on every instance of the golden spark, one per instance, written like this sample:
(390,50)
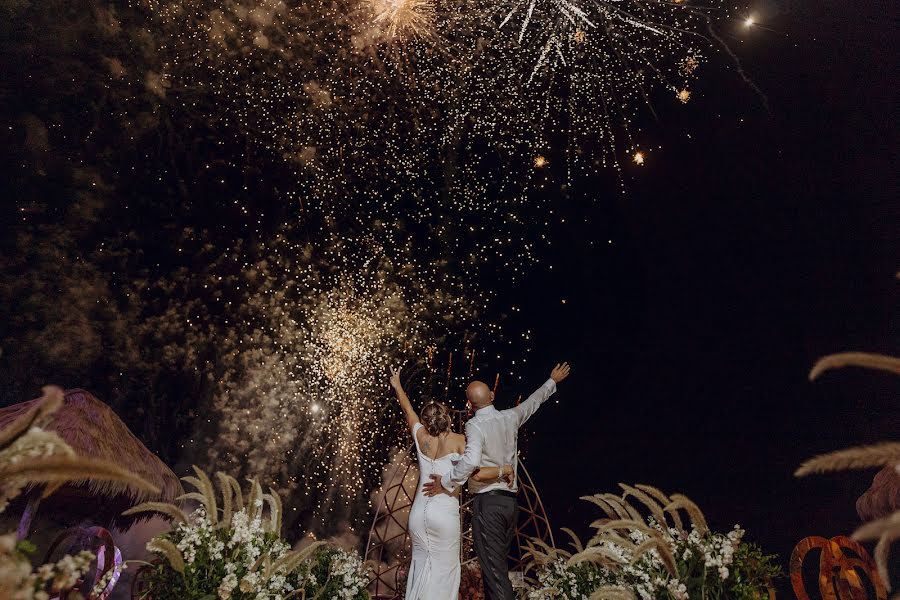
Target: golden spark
(540,162)
(405,18)
(579,36)
(684,95)
(689,65)
(638,158)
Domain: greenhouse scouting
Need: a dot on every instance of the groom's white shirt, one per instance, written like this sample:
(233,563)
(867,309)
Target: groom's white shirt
(492,439)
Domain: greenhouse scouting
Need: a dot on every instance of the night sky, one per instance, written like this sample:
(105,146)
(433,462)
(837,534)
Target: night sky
(692,305)
(738,257)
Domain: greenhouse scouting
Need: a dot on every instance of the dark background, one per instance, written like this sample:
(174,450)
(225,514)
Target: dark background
(738,257)
(691,306)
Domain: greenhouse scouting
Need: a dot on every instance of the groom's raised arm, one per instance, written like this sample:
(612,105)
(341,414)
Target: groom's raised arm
(527,408)
(470,460)
(524,410)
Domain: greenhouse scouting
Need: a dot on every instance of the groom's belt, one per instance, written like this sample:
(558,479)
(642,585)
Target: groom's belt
(497,493)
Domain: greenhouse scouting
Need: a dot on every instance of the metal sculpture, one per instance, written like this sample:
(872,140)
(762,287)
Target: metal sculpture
(843,567)
(389,547)
(109,558)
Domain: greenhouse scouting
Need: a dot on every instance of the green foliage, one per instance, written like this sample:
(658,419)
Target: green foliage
(753,571)
(26,547)
(332,574)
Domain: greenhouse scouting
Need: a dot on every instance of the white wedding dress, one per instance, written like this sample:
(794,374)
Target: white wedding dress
(434,529)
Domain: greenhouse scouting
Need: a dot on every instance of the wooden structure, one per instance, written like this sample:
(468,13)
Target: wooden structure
(846,571)
(93,430)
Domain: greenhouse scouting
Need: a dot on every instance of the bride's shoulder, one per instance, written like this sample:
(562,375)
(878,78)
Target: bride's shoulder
(460,441)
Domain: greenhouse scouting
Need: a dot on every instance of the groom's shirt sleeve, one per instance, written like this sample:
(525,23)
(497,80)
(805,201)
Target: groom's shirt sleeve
(524,410)
(470,460)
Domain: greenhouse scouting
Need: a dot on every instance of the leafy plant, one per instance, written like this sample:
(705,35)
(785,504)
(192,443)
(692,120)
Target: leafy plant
(655,557)
(236,551)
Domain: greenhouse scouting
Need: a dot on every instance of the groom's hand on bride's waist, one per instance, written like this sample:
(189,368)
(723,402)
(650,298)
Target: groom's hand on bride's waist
(434,487)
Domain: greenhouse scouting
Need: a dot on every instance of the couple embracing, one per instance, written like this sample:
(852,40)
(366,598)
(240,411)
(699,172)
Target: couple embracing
(486,458)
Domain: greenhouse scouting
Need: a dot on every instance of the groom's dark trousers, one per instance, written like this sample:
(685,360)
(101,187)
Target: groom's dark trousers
(494,523)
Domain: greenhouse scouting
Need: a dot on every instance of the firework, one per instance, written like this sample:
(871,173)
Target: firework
(295,341)
(400,87)
(405,18)
(411,131)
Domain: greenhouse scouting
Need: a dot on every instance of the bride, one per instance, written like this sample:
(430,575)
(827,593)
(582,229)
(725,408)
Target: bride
(434,521)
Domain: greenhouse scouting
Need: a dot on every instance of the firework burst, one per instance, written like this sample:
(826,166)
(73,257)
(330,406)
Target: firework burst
(405,18)
(399,87)
(414,126)
(295,340)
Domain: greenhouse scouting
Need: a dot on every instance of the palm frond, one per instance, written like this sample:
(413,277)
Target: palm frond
(576,542)
(55,469)
(610,510)
(163,508)
(255,495)
(625,524)
(882,553)
(647,501)
(865,360)
(275,511)
(875,529)
(859,457)
(238,494)
(293,559)
(195,483)
(665,501)
(169,550)
(596,554)
(195,496)
(209,495)
(611,592)
(227,494)
(693,511)
(654,542)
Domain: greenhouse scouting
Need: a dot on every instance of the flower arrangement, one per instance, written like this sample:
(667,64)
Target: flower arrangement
(333,574)
(236,552)
(652,558)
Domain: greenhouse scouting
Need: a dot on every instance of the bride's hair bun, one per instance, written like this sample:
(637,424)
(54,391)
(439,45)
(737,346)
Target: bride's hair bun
(435,418)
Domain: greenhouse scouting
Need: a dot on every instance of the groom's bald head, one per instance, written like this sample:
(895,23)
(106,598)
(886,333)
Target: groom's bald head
(479,394)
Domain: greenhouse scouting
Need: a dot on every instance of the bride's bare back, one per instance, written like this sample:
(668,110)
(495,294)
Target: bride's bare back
(435,447)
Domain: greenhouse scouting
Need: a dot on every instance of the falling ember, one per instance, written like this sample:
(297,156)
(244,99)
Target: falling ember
(540,162)
(684,95)
(405,18)
(638,158)
(689,65)
(579,36)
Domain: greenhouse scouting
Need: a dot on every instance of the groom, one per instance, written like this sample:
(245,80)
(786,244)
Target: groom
(491,441)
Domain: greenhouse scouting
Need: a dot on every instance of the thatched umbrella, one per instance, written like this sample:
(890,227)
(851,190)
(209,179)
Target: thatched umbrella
(883,498)
(93,430)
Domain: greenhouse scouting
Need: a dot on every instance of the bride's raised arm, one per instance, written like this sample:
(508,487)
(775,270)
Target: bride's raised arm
(411,417)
